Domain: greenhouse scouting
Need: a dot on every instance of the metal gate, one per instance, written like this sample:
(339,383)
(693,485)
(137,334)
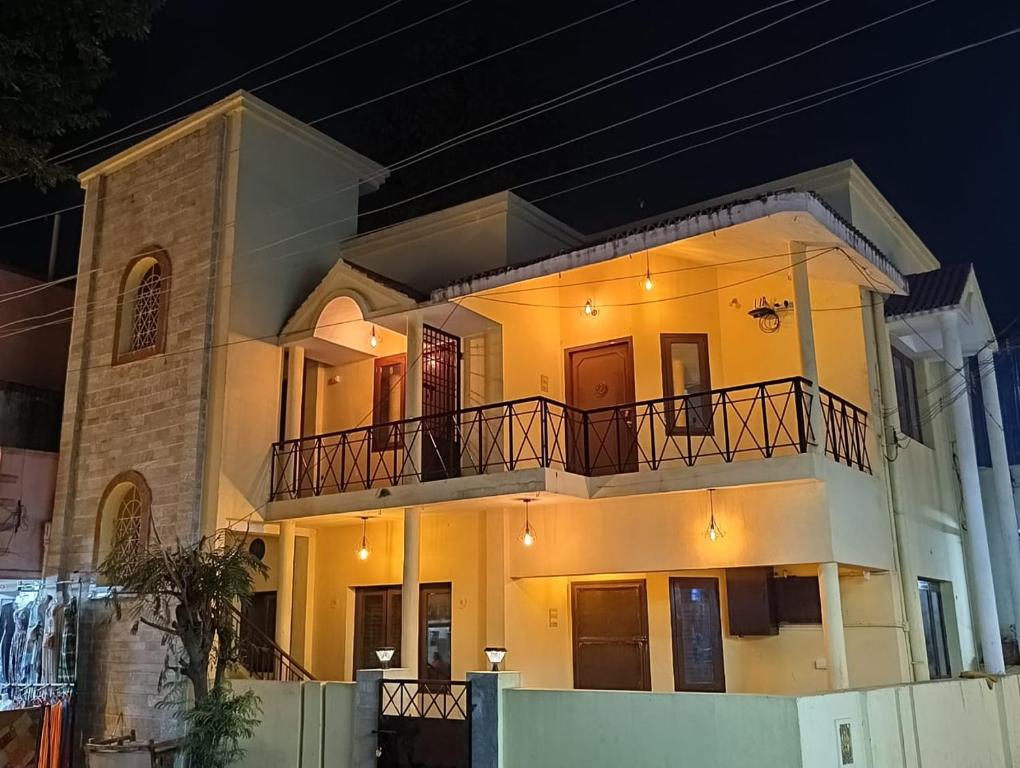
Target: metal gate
(440,403)
(424,724)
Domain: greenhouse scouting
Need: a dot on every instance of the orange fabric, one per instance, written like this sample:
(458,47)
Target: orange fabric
(44,740)
(56,732)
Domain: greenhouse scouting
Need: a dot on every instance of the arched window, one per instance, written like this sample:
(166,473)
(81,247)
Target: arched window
(142,306)
(124,514)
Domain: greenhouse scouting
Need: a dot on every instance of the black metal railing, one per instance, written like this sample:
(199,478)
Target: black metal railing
(261,657)
(433,699)
(846,428)
(758,420)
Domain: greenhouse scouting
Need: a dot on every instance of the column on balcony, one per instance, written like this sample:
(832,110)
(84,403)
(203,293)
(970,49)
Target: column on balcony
(287,538)
(806,337)
(410,590)
(413,389)
(495,578)
(976,536)
(833,632)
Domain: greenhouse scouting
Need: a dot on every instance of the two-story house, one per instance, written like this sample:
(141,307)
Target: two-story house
(724,449)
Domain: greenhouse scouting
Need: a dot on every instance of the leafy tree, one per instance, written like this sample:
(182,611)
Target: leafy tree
(189,593)
(53,58)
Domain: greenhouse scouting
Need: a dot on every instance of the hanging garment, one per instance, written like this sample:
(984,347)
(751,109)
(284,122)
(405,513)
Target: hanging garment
(32,660)
(42,759)
(69,642)
(52,630)
(6,638)
(18,641)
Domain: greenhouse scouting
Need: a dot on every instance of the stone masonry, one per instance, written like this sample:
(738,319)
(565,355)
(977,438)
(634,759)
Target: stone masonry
(148,415)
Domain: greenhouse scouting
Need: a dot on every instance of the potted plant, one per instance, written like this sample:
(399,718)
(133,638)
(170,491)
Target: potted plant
(190,593)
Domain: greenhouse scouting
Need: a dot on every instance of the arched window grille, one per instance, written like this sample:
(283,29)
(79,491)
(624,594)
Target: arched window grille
(148,299)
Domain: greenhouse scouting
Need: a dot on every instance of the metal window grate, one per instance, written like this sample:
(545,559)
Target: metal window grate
(145,322)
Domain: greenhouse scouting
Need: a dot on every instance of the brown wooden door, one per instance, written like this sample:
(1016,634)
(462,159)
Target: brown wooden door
(598,377)
(697,635)
(258,625)
(376,625)
(610,633)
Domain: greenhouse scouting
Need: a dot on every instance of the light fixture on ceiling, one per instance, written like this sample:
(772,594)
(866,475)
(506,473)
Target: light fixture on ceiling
(364,550)
(373,340)
(528,535)
(713,532)
(648,274)
(589,308)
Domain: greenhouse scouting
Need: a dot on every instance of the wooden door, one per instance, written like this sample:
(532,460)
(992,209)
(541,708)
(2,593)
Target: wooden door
(610,633)
(697,635)
(258,626)
(435,657)
(599,377)
(934,621)
(376,625)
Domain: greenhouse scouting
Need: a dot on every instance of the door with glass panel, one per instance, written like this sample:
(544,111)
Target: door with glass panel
(934,620)
(686,381)
(697,634)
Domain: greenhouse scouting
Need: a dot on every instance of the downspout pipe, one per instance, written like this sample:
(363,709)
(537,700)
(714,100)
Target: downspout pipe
(916,649)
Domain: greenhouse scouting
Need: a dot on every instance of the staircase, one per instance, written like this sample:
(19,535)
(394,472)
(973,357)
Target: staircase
(261,657)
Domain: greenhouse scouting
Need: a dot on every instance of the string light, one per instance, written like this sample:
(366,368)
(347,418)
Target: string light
(714,532)
(364,550)
(528,535)
(373,339)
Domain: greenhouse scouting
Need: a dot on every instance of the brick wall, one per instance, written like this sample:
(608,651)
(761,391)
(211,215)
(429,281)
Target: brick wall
(148,415)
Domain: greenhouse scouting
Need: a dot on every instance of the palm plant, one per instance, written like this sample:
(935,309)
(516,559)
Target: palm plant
(189,593)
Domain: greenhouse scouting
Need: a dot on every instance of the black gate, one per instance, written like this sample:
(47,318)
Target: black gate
(440,403)
(424,724)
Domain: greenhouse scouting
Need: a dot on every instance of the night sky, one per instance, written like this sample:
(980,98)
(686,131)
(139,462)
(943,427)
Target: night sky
(942,143)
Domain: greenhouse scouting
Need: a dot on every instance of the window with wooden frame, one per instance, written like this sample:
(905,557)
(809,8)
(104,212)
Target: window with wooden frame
(906,395)
(142,306)
(388,401)
(686,374)
(124,516)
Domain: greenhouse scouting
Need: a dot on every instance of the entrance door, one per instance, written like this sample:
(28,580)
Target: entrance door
(377,625)
(601,376)
(440,401)
(258,625)
(697,635)
(934,621)
(436,635)
(610,633)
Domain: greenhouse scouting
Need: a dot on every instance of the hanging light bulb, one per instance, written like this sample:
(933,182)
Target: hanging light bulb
(528,535)
(373,339)
(648,274)
(589,308)
(363,550)
(714,532)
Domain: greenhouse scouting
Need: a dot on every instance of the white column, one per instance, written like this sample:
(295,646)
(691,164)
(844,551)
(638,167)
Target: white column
(287,539)
(410,590)
(413,389)
(901,526)
(976,537)
(833,633)
(806,336)
(1003,483)
(285,584)
(495,578)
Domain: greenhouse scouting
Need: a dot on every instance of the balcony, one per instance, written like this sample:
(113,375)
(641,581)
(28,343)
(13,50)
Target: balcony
(722,426)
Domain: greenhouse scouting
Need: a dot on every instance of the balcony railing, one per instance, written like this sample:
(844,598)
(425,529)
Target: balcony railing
(754,421)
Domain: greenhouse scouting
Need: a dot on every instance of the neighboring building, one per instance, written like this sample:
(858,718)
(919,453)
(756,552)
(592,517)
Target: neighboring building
(33,365)
(691,454)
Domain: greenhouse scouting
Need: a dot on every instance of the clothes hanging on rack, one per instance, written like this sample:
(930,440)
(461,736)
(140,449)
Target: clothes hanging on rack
(6,638)
(18,644)
(68,643)
(32,662)
(52,635)
(51,738)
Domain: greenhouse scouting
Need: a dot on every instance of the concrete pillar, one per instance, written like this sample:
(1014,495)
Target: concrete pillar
(410,589)
(1003,483)
(834,635)
(806,336)
(976,538)
(495,578)
(295,392)
(487,716)
(413,393)
(285,583)
(365,720)
(901,527)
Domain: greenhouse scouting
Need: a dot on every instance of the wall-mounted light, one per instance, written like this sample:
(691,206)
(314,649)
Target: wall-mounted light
(648,274)
(373,340)
(363,549)
(495,656)
(589,308)
(528,535)
(385,655)
(713,532)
